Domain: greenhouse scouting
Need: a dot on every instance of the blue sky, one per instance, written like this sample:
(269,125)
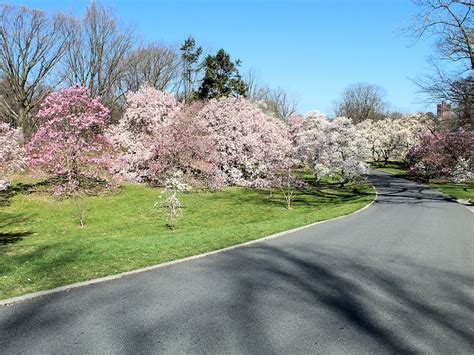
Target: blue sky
(312,49)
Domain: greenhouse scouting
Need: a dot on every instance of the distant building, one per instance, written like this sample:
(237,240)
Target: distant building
(443,110)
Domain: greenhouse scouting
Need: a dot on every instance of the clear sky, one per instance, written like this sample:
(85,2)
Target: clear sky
(312,49)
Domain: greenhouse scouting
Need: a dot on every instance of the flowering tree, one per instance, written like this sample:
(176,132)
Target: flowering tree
(341,153)
(463,170)
(147,111)
(70,141)
(392,138)
(174,185)
(184,144)
(307,135)
(12,154)
(251,145)
(443,153)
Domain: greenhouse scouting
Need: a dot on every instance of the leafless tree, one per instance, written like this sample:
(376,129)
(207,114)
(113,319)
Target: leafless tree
(155,65)
(362,102)
(280,104)
(452,22)
(277,101)
(253,84)
(32,43)
(96,55)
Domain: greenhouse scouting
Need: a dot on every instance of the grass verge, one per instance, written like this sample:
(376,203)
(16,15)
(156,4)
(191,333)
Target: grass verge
(42,246)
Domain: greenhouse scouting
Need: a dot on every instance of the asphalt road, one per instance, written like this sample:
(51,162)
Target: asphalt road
(398,277)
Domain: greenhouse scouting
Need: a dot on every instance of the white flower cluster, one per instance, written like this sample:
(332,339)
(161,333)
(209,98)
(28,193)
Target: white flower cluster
(4,184)
(463,171)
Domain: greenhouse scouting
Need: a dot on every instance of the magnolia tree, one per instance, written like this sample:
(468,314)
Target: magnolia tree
(12,153)
(184,144)
(148,110)
(71,142)
(174,185)
(251,145)
(443,153)
(390,139)
(340,153)
(307,133)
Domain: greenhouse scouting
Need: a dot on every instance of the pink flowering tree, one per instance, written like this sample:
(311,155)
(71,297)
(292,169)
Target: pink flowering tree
(340,154)
(443,154)
(251,145)
(70,142)
(12,153)
(148,110)
(184,144)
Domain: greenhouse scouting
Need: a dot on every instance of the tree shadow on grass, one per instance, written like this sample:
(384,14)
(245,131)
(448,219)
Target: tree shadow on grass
(24,188)
(311,196)
(10,221)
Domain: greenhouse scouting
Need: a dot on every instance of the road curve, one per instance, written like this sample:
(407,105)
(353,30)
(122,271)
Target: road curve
(398,277)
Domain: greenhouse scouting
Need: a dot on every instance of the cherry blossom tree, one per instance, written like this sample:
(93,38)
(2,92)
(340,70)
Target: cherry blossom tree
(341,153)
(251,145)
(12,153)
(148,110)
(70,141)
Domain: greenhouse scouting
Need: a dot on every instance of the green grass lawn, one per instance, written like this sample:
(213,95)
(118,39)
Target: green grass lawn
(458,191)
(392,167)
(42,246)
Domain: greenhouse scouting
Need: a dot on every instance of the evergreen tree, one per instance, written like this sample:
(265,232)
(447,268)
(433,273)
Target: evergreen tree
(221,78)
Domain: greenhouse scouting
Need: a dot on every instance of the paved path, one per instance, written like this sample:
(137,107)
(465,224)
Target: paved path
(397,277)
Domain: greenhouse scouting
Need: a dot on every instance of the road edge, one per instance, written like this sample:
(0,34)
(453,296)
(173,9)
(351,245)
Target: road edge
(65,288)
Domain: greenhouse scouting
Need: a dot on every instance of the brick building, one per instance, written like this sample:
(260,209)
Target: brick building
(443,110)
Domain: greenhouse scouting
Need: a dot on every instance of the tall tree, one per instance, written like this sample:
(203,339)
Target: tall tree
(154,65)
(361,102)
(190,55)
(452,24)
(96,55)
(221,77)
(31,45)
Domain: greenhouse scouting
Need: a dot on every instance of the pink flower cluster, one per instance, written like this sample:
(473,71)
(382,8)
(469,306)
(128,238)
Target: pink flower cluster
(221,142)
(443,153)
(71,139)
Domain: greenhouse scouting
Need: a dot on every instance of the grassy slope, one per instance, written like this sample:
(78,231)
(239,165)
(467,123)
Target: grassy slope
(458,191)
(41,245)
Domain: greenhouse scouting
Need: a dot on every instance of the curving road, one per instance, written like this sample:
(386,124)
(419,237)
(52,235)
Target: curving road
(398,277)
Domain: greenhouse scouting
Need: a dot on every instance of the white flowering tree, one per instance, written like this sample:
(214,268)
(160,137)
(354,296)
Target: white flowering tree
(341,152)
(174,185)
(12,154)
(147,111)
(391,139)
(307,134)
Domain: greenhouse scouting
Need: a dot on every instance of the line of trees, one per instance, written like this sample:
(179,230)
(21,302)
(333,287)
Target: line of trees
(42,52)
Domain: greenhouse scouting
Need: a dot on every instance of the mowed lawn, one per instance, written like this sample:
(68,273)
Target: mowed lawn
(463,191)
(42,246)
